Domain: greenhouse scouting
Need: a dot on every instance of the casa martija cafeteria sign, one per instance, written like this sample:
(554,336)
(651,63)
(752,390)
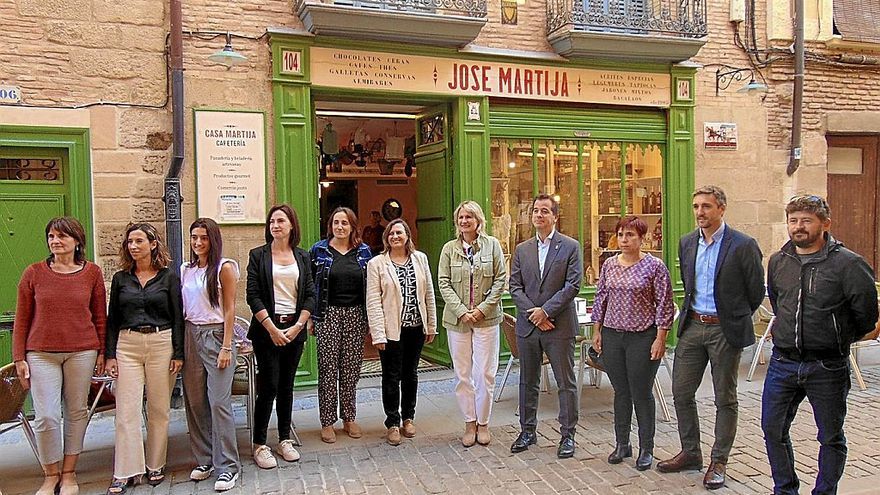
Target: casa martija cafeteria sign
(354,69)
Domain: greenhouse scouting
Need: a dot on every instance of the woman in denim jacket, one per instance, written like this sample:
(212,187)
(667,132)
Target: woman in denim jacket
(339,264)
(471,277)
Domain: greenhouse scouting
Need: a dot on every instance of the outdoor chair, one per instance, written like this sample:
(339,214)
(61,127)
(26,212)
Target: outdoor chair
(12,398)
(508,328)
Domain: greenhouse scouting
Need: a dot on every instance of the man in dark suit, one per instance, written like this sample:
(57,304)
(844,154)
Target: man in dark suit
(545,277)
(724,285)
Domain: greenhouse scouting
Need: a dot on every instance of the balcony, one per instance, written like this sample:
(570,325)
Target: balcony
(451,23)
(641,30)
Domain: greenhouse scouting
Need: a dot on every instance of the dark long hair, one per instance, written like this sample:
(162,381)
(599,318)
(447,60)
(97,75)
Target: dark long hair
(354,238)
(294,223)
(71,227)
(215,254)
(159,257)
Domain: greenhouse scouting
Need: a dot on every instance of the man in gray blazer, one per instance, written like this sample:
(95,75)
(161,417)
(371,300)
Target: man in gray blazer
(544,280)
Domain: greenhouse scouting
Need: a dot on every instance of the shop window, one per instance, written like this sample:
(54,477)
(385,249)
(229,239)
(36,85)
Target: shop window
(595,183)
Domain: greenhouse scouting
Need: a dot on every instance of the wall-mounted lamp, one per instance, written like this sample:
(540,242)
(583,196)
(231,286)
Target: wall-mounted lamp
(227,56)
(726,75)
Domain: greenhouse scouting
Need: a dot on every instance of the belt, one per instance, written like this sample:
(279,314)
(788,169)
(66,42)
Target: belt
(147,329)
(705,319)
(285,318)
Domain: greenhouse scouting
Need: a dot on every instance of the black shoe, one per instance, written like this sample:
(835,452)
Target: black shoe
(566,447)
(523,441)
(621,452)
(646,458)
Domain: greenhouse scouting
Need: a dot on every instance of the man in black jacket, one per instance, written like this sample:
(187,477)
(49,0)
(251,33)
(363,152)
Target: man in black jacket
(824,299)
(724,284)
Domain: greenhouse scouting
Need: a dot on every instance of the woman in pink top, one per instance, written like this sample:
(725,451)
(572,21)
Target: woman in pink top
(58,343)
(633,311)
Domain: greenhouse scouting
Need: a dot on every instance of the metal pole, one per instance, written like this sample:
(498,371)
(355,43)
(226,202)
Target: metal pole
(172,196)
(797,103)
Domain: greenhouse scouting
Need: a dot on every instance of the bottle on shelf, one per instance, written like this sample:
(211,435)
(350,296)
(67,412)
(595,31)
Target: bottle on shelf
(652,202)
(657,235)
(658,207)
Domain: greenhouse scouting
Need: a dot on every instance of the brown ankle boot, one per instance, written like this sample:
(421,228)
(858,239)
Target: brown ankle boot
(470,434)
(483,435)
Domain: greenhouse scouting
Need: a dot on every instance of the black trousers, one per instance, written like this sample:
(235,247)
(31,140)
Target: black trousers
(400,378)
(627,360)
(276,369)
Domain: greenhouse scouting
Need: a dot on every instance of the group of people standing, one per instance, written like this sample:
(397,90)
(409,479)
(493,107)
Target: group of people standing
(163,320)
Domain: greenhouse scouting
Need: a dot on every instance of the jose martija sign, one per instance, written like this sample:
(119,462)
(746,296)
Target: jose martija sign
(354,69)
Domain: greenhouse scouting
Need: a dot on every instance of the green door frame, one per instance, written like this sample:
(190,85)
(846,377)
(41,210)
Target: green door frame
(75,142)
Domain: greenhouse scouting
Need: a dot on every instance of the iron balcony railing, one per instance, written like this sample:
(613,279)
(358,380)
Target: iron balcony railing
(465,8)
(674,18)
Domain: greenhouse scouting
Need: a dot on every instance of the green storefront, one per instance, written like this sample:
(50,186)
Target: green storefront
(435,127)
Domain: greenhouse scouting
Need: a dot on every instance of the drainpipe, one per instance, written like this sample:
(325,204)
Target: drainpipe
(798,98)
(172,196)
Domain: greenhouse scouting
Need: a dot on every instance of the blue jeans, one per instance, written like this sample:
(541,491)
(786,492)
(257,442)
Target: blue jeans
(826,384)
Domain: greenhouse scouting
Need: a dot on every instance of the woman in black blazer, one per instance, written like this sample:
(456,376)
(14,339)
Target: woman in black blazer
(281,295)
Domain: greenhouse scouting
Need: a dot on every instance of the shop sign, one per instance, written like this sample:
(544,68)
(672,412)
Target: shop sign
(719,136)
(10,94)
(355,69)
(230,151)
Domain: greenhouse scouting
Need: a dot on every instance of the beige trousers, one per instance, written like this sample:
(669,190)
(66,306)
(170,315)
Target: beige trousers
(143,360)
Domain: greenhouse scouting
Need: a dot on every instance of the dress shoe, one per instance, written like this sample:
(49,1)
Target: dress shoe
(483,435)
(328,434)
(646,458)
(393,436)
(621,452)
(681,462)
(353,429)
(523,441)
(409,428)
(470,434)
(715,476)
(566,447)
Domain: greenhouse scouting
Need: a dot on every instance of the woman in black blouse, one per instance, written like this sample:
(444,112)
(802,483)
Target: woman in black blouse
(144,350)
(281,295)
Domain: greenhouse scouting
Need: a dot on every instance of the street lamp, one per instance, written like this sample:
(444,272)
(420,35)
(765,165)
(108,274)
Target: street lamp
(726,75)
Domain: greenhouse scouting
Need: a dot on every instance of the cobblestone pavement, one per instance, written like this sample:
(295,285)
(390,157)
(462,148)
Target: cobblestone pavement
(435,462)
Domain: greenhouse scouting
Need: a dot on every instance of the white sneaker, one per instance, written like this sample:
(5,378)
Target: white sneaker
(285,448)
(226,481)
(202,472)
(264,458)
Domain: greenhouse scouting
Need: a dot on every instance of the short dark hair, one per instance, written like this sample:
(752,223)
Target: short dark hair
(71,227)
(809,203)
(554,204)
(354,238)
(634,223)
(295,234)
(715,191)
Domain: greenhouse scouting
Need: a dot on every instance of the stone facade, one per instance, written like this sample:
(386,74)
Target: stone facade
(107,57)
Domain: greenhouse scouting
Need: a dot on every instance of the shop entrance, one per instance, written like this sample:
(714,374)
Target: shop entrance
(385,162)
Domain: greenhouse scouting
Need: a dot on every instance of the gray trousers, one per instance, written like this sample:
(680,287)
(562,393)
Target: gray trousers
(627,360)
(701,344)
(56,376)
(207,392)
(561,355)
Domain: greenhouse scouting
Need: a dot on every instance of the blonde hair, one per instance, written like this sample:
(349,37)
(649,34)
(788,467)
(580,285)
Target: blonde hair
(474,209)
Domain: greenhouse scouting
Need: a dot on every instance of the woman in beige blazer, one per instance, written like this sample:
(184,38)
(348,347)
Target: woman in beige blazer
(471,277)
(402,318)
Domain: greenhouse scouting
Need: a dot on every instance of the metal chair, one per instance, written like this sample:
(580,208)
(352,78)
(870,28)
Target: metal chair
(508,328)
(245,361)
(12,398)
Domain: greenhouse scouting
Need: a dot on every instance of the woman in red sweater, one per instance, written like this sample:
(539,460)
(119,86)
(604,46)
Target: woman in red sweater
(58,343)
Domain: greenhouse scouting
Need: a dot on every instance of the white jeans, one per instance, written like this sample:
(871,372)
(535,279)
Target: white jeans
(475,359)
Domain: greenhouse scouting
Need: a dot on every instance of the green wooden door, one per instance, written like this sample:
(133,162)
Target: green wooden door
(434,200)
(33,190)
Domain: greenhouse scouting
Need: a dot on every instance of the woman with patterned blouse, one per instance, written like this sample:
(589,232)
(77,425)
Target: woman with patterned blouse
(633,311)
(402,319)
